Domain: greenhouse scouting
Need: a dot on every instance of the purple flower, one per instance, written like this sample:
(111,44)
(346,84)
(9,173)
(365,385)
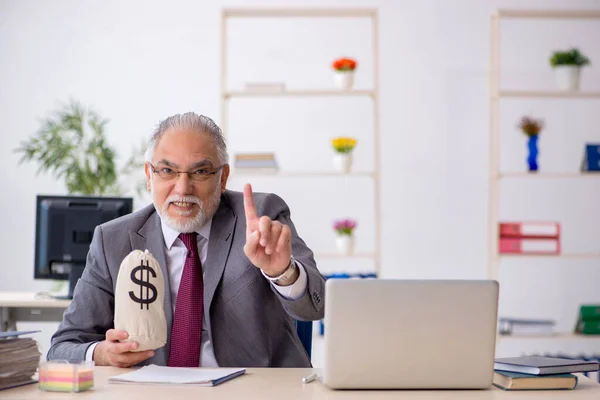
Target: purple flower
(344,226)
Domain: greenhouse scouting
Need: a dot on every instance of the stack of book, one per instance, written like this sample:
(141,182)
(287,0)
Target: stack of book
(267,87)
(517,326)
(539,373)
(588,322)
(19,359)
(255,162)
(529,238)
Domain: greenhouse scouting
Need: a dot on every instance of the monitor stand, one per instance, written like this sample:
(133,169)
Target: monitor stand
(75,272)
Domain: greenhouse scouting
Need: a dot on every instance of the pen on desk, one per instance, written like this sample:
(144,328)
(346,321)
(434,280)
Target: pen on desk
(310,378)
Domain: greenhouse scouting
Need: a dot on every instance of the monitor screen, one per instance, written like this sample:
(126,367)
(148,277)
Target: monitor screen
(64,229)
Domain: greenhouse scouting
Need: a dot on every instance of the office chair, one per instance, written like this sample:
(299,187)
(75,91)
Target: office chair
(304,329)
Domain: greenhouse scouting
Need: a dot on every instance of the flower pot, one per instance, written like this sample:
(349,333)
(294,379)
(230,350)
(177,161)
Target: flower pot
(345,244)
(342,161)
(567,77)
(532,146)
(344,80)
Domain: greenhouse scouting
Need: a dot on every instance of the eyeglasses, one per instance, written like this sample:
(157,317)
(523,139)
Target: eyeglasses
(197,175)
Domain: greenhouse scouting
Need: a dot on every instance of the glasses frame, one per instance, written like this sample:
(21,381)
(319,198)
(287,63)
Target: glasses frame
(189,173)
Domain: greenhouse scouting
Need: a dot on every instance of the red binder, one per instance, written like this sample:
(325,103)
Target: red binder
(529,246)
(530,229)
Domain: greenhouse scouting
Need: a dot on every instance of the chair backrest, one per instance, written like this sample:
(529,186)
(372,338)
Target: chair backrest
(305,333)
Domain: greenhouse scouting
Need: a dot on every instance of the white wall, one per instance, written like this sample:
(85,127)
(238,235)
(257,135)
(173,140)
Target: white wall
(137,62)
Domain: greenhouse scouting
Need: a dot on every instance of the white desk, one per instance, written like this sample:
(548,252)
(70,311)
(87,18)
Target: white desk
(25,307)
(281,383)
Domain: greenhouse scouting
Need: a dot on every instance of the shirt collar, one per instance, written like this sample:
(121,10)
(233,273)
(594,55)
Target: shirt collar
(170,234)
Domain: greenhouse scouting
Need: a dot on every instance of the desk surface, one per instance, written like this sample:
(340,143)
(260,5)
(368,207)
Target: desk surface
(30,299)
(283,383)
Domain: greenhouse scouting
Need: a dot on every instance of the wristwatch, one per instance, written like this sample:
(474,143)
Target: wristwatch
(286,275)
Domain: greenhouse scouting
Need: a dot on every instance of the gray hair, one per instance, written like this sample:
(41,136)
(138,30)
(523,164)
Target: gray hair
(194,122)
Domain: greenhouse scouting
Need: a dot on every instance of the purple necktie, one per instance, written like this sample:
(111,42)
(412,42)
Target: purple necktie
(187,322)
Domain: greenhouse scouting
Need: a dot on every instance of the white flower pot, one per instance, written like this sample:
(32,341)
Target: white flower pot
(344,80)
(567,77)
(342,161)
(344,244)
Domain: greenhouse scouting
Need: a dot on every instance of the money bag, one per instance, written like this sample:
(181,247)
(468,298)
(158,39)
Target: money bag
(139,299)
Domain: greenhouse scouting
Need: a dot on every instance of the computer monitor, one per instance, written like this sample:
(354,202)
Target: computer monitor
(64,229)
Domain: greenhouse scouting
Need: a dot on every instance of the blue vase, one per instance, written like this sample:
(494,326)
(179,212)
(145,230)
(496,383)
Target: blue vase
(532,146)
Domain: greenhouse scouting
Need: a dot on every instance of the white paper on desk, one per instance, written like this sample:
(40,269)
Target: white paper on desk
(178,376)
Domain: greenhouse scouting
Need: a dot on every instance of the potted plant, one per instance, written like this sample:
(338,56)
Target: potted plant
(342,159)
(72,144)
(531,128)
(567,66)
(344,72)
(345,239)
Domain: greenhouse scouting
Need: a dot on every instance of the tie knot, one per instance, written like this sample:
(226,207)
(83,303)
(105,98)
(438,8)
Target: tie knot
(189,239)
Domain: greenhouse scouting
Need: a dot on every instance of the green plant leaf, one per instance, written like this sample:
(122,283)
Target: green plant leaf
(71,144)
(572,57)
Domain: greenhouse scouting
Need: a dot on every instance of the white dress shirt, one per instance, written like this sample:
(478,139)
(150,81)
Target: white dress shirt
(176,252)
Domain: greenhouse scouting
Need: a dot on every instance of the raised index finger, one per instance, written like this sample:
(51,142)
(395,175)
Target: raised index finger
(249,208)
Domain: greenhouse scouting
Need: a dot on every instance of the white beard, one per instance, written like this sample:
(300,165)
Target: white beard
(206,210)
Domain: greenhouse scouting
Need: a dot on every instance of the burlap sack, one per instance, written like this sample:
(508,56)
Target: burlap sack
(139,299)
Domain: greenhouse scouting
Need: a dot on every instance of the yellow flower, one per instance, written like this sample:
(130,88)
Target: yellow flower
(343,144)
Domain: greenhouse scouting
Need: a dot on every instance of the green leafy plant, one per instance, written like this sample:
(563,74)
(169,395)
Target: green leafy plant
(135,165)
(531,126)
(72,145)
(570,57)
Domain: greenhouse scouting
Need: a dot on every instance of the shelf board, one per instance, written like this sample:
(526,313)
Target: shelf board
(300,93)
(557,335)
(548,175)
(335,255)
(554,14)
(548,94)
(301,174)
(299,12)
(591,256)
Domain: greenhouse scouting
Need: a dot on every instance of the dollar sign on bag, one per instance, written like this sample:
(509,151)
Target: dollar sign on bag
(143,284)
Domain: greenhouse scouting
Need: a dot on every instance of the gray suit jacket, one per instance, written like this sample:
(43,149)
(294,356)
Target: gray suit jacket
(250,324)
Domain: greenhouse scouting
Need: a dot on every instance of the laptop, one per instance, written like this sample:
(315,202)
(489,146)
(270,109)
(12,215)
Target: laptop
(410,334)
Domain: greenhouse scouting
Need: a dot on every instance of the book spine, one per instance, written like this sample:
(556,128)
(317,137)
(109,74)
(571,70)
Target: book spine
(593,157)
(590,312)
(255,163)
(530,229)
(590,327)
(255,156)
(529,246)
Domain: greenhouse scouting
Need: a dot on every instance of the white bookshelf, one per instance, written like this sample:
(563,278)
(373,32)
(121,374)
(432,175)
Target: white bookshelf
(299,93)
(583,256)
(555,336)
(367,256)
(547,94)
(498,177)
(548,175)
(274,93)
(305,174)
(548,14)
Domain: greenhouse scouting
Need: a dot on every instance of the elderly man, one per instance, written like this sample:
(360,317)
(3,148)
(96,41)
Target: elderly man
(237,276)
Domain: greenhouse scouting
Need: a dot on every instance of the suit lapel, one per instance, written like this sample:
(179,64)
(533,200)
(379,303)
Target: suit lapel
(219,246)
(150,237)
